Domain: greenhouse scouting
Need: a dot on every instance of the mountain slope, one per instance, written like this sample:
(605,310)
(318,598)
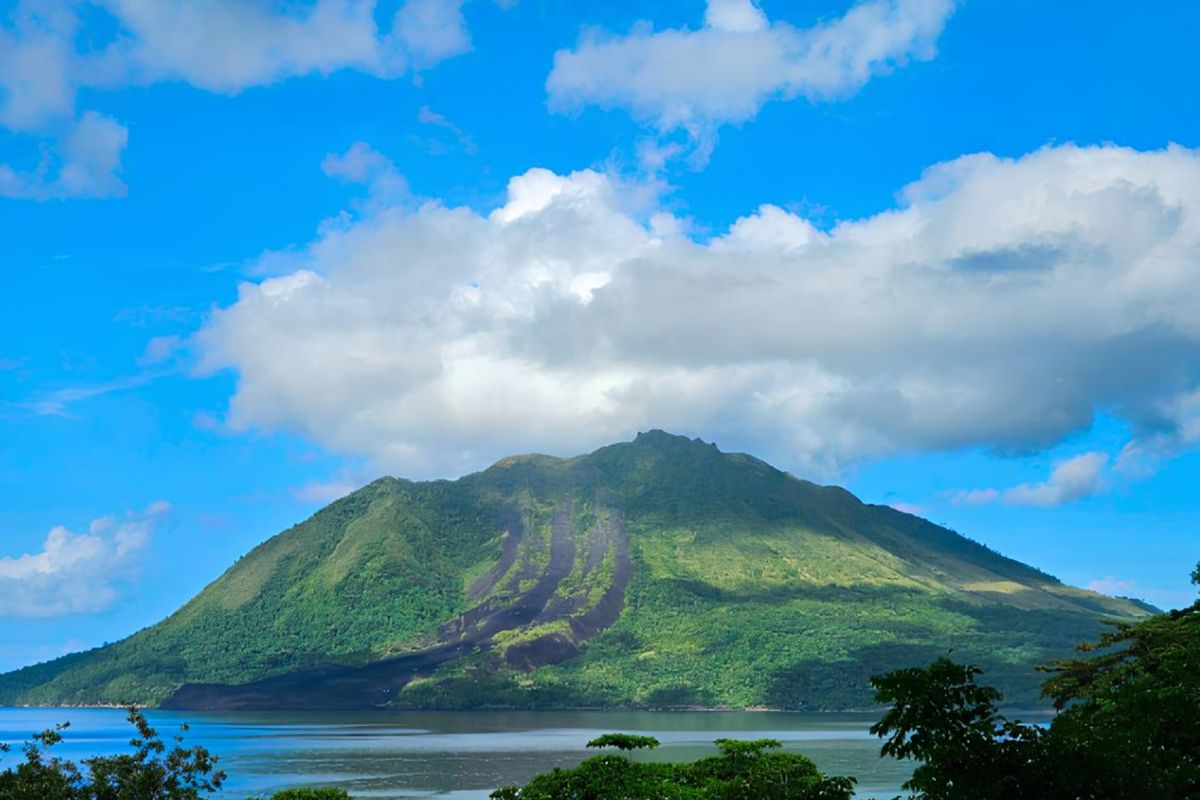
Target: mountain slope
(654,572)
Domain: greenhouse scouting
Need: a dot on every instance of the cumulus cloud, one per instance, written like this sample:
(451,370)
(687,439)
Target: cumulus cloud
(160,349)
(1116,587)
(1072,479)
(85,163)
(365,165)
(1143,455)
(323,492)
(723,72)
(51,50)
(77,573)
(1002,304)
(432,30)
(229,45)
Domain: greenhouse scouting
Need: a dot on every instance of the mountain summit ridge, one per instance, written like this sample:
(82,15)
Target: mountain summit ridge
(656,572)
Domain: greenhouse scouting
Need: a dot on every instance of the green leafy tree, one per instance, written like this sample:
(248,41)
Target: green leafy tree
(153,771)
(1128,726)
(624,741)
(942,718)
(40,775)
(742,771)
(753,769)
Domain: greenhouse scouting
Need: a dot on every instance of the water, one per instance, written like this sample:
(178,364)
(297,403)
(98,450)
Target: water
(452,755)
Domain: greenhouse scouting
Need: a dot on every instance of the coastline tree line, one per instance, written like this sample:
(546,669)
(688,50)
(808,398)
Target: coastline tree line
(1127,728)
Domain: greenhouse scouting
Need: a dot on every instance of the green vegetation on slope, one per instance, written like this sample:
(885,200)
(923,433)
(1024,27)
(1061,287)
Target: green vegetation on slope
(1128,728)
(360,577)
(749,588)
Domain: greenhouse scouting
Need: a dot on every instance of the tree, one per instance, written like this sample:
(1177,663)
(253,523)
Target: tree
(1127,728)
(1130,709)
(151,772)
(324,793)
(39,775)
(942,718)
(742,771)
(624,741)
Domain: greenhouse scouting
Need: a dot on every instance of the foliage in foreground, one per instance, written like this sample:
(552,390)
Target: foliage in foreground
(1128,726)
(743,770)
(324,793)
(155,770)
(150,772)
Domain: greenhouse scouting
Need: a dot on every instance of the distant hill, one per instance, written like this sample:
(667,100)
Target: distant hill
(658,572)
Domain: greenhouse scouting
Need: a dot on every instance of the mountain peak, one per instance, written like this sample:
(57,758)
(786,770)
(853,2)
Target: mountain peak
(653,572)
(658,438)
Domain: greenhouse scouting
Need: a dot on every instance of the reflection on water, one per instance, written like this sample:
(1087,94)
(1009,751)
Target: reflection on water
(454,755)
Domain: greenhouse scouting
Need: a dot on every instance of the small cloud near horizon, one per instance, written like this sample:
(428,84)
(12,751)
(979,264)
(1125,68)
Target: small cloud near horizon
(1071,480)
(78,573)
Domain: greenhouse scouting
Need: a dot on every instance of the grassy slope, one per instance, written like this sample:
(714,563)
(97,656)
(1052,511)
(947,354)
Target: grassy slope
(750,588)
(753,588)
(375,568)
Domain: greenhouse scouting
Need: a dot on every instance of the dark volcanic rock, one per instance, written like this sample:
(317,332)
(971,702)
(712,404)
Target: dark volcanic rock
(375,684)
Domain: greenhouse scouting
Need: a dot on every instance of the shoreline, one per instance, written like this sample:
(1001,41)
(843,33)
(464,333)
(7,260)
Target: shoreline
(508,710)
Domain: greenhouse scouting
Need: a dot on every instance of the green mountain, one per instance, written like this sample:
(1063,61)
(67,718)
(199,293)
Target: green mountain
(658,572)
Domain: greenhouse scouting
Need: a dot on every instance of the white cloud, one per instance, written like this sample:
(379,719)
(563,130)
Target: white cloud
(1114,587)
(1072,479)
(1121,587)
(230,45)
(976,497)
(92,157)
(323,492)
(432,30)
(35,50)
(221,46)
(725,71)
(58,403)
(85,163)
(1143,455)
(363,164)
(1001,305)
(77,573)
(160,349)
(735,16)
(436,146)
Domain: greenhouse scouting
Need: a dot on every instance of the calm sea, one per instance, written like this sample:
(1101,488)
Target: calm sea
(453,755)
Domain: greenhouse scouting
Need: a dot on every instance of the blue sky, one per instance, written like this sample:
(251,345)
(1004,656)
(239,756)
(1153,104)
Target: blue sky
(945,254)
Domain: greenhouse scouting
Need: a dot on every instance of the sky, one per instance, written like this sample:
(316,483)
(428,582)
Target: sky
(257,254)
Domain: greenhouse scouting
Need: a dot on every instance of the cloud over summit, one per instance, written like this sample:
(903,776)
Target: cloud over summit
(1001,305)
